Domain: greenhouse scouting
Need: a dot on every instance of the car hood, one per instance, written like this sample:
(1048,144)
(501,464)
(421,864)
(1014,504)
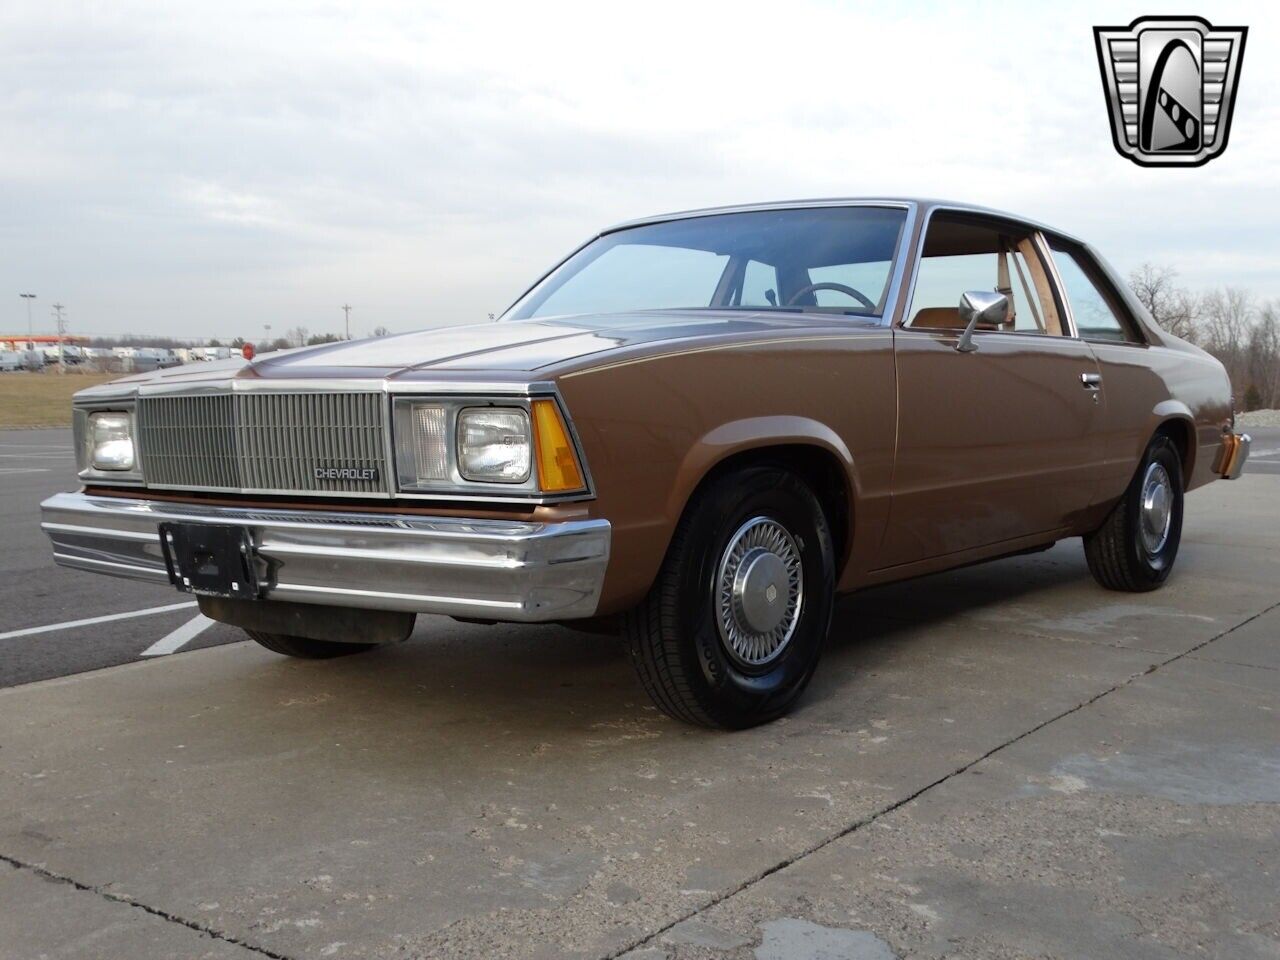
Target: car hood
(507,350)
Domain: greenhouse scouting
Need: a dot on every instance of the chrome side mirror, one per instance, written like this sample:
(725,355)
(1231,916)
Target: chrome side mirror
(980,306)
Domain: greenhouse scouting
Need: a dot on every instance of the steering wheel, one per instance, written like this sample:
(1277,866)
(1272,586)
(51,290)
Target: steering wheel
(840,287)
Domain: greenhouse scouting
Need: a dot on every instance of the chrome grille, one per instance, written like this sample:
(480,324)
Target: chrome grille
(263,441)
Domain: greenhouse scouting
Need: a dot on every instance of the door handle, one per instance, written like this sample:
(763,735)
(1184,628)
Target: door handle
(1091,381)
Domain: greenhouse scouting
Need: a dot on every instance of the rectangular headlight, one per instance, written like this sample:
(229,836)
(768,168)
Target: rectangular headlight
(507,448)
(494,444)
(111,441)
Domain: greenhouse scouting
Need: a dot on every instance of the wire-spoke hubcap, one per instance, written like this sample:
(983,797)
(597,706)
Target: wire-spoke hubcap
(759,589)
(1156,508)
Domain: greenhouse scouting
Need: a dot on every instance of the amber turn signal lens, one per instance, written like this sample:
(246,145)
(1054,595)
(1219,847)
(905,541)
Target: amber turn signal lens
(558,469)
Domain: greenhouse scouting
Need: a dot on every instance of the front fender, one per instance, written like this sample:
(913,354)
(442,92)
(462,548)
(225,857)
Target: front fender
(755,433)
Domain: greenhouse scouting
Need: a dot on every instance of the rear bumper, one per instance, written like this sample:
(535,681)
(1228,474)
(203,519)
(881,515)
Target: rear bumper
(489,569)
(1235,451)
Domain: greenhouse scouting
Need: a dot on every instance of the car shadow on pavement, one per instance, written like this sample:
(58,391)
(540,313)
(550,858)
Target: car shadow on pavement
(942,596)
(549,680)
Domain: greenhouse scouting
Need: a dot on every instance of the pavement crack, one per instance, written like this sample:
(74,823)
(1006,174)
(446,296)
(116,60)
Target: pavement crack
(871,818)
(195,925)
(1234,663)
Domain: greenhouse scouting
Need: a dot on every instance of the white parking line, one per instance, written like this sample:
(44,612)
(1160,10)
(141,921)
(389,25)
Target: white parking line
(179,638)
(69,624)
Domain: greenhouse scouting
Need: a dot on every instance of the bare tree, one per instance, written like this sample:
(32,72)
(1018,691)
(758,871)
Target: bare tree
(1264,357)
(1227,316)
(1171,306)
(1226,322)
(297,336)
(381,331)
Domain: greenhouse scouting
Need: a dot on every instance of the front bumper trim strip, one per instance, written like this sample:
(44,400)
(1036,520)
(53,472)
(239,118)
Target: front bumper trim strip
(489,569)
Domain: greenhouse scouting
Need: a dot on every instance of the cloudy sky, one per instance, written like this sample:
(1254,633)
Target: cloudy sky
(205,169)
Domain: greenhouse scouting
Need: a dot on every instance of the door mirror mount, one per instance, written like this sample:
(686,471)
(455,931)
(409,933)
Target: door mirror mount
(980,306)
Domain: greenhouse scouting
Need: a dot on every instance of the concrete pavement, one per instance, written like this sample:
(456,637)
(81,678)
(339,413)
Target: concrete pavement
(37,593)
(1004,761)
(1265,455)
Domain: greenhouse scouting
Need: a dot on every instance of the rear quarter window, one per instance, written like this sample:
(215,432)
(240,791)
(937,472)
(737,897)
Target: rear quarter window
(1094,306)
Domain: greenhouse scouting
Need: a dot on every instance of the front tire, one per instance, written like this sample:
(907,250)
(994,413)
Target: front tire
(305,648)
(733,628)
(1136,545)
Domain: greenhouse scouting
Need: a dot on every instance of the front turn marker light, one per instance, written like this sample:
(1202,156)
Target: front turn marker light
(558,469)
(111,441)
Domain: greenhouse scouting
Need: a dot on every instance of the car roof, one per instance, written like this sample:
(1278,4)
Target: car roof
(924,204)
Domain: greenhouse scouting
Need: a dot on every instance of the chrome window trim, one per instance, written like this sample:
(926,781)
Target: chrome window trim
(1055,280)
(901,257)
(818,202)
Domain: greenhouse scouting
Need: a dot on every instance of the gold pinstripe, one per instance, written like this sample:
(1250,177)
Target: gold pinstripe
(730,346)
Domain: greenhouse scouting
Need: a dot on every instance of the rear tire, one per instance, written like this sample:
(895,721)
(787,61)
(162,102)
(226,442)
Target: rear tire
(1136,545)
(734,625)
(306,648)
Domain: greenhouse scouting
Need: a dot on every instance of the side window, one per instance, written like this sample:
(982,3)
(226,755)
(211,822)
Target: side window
(942,280)
(1096,318)
(959,256)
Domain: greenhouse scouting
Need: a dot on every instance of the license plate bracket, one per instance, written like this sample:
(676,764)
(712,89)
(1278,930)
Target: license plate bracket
(209,559)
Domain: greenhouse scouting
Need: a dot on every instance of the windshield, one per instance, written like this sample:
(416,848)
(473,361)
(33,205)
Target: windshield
(822,259)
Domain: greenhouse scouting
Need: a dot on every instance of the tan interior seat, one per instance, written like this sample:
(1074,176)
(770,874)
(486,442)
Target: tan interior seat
(937,318)
(943,318)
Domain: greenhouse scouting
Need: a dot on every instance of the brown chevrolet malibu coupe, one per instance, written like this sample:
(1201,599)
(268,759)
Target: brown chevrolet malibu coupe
(701,428)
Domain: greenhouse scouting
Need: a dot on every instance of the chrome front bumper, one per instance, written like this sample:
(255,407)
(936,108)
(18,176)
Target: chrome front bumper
(489,569)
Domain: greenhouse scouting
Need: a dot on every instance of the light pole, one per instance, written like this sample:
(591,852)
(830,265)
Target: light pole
(62,329)
(346,312)
(28,297)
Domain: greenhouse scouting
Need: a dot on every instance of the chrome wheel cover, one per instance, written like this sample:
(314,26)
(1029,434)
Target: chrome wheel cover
(1155,509)
(759,592)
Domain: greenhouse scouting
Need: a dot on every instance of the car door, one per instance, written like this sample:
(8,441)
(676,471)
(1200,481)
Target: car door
(999,443)
(1132,385)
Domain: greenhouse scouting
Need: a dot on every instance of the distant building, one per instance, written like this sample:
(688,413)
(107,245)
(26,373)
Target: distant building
(40,341)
